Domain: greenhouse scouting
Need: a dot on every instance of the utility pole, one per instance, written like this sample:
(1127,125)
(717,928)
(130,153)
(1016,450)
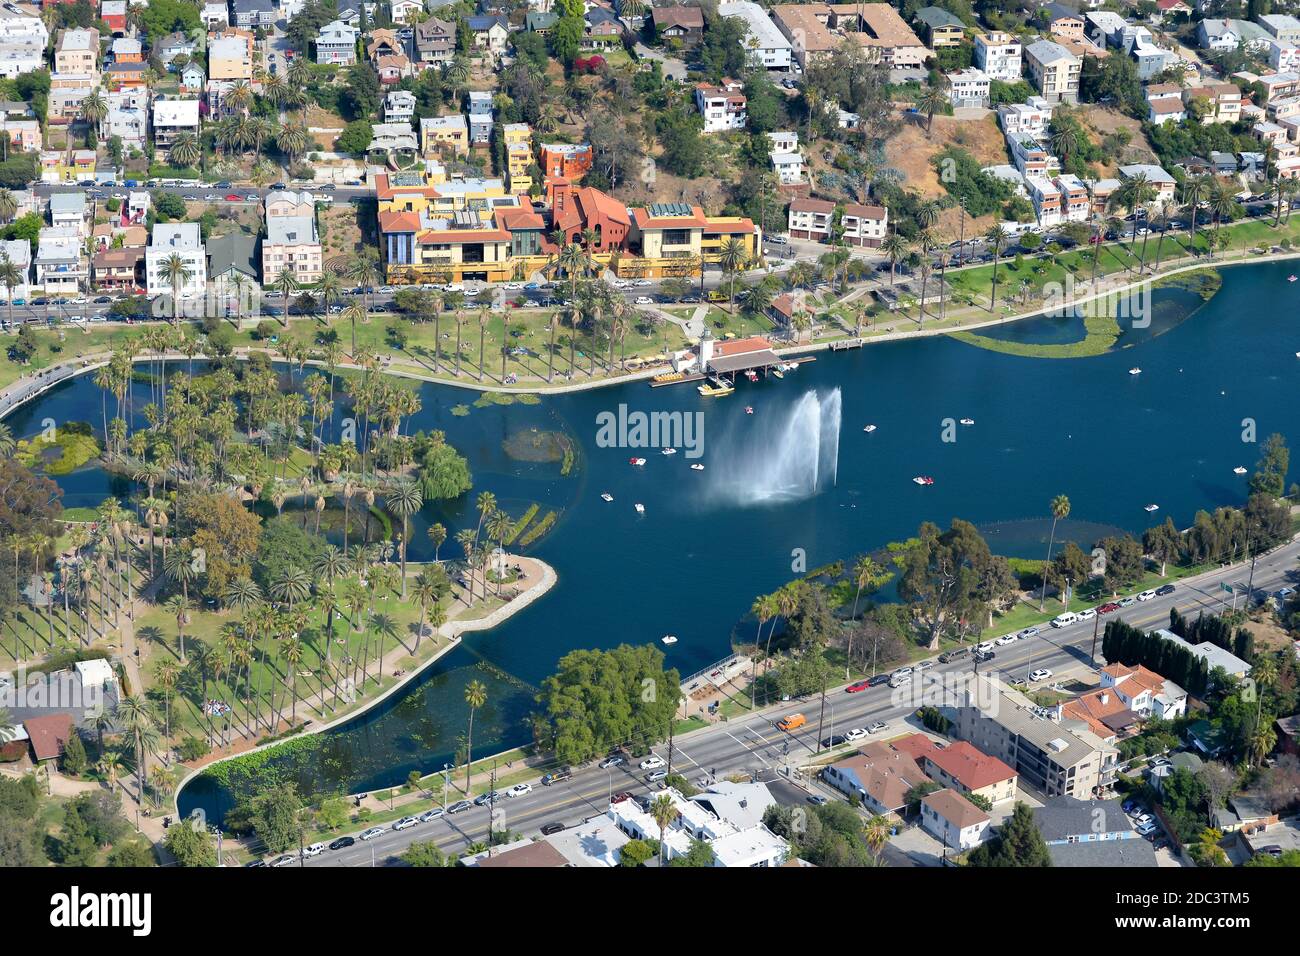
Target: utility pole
(492,804)
(446,784)
(821,720)
(1096,625)
(670,745)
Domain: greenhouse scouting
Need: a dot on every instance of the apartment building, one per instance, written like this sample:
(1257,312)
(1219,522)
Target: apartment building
(767,45)
(817,29)
(1163,184)
(1281,27)
(1030,118)
(570,160)
(230,57)
(968,87)
(67,90)
(811,219)
(864,226)
(1054,70)
(183,241)
(723,107)
(336,43)
(998,55)
(967,770)
(940,28)
(951,818)
(60,266)
(172,119)
(435,42)
(292,243)
(77,51)
(438,133)
(1054,758)
(19,253)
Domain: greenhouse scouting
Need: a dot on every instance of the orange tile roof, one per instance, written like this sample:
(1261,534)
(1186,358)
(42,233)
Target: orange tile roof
(737,228)
(48,734)
(434,237)
(519,217)
(1090,709)
(917,746)
(955,808)
(970,766)
(646,221)
(399,222)
(754,343)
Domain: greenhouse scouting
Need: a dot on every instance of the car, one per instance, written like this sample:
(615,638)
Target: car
(655,776)
(1144,829)
(562,774)
(983,647)
(1041,673)
(372,833)
(857,733)
(1006,639)
(342,843)
(834,740)
(1065,619)
(615,760)
(816,799)
(285,860)
(1028,633)
(405,823)
(234,197)
(1282,593)
(1127,602)
(99,301)
(550,829)
(644,300)
(875,727)
(621,796)
(857,688)
(1143,819)
(428,816)
(1108,607)
(1146,595)
(1018,682)
(1160,761)
(877,680)
(460,806)
(984,656)
(1272,849)
(1165,589)
(313,849)
(924,665)
(900,680)
(519,789)
(1128,806)
(1160,843)
(1087,614)
(483,799)
(653,762)
(642,283)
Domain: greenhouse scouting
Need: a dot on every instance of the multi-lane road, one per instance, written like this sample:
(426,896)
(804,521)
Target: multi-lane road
(753,745)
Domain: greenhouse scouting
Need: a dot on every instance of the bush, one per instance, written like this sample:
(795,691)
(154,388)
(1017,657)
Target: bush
(192,748)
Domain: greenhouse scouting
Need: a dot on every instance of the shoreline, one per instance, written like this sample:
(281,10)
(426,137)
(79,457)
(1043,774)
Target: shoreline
(47,378)
(453,630)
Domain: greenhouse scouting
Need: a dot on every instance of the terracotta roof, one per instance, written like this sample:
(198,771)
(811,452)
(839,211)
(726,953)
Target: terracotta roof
(519,217)
(537,854)
(969,766)
(955,808)
(118,258)
(433,237)
(916,746)
(740,227)
(1166,106)
(48,734)
(1105,718)
(740,346)
(399,222)
(677,16)
(864,212)
(884,773)
(645,221)
(1128,678)
(811,205)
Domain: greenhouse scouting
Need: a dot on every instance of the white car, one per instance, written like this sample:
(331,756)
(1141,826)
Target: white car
(514,286)
(1146,595)
(1087,614)
(644,300)
(902,671)
(519,789)
(857,733)
(653,762)
(876,727)
(1148,828)
(314,849)
(405,823)
(453,287)
(1028,633)
(642,283)
(924,665)
(984,647)
(1006,639)
(1041,674)
(372,833)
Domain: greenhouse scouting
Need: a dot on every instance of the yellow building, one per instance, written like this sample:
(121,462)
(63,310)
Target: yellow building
(673,239)
(518,140)
(439,134)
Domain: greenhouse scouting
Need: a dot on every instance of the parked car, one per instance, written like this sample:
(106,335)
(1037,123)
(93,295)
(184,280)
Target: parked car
(1028,632)
(834,740)
(1041,673)
(1006,639)
(459,806)
(653,762)
(858,687)
(955,654)
(285,860)
(621,796)
(562,774)
(1127,602)
(428,816)
(1087,614)
(550,829)
(1108,607)
(343,843)
(875,727)
(655,776)
(857,733)
(405,823)
(984,656)
(313,849)
(616,760)
(519,789)
(1146,595)
(877,680)
(816,799)
(1165,589)
(373,832)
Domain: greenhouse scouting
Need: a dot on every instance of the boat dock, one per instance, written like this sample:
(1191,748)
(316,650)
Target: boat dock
(843,344)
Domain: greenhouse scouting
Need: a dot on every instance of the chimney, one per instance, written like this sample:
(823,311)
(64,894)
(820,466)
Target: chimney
(1105,699)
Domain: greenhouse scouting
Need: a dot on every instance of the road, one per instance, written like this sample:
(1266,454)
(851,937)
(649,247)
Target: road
(752,745)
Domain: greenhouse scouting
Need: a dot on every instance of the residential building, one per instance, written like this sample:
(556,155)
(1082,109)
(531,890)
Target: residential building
(1213,655)
(681,23)
(1030,118)
(1065,820)
(233,267)
(24,134)
(967,770)
(864,226)
(117,269)
(1144,691)
(172,119)
(183,241)
(489,33)
(383,43)
(404,11)
(879,776)
(121,76)
(998,55)
(174,45)
(817,29)
(68,211)
(60,266)
(940,28)
(67,90)
(292,242)
(77,52)
(968,87)
(337,43)
(811,219)
(1221,101)
(399,106)
(569,160)
(1163,184)
(1282,27)
(1074,198)
(21,56)
(1165,109)
(723,106)
(732,845)
(127,50)
(18,252)
(662,234)
(393,68)
(767,45)
(1225,35)
(1053,758)
(787,167)
(215,14)
(230,57)
(113,13)
(1054,70)
(601,29)
(1064,23)
(192,78)
(251,14)
(950,817)
(518,140)
(435,42)
(439,133)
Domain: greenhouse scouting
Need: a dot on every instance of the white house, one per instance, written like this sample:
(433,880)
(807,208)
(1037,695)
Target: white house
(723,107)
(998,55)
(399,106)
(968,87)
(19,252)
(738,843)
(948,816)
(60,266)
(1030,118)
(181,239)
(1144,691)
(1212,654)
(788,167)
(767,45)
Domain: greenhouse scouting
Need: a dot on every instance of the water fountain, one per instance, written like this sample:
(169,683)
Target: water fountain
(786,456)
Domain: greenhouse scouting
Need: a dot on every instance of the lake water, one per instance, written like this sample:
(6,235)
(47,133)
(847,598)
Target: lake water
(710,541)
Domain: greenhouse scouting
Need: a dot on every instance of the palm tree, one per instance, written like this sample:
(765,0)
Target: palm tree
(404,499)
(1065,140)
(475,697)
(292,138)
(290,585)
(896,249)
(1060,507)
(177,272)
(732,258)
(8,205)
(932,99)
(997,238)
(1222,203)
(427,594)
(11,276)
(437,535)
(1195,190)
(185,151)
(93,108)
(136,719)
(664,812)
(181,567)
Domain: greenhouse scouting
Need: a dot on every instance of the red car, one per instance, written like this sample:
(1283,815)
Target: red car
(859,686)
(1107,608)
(620,797)
(234,197)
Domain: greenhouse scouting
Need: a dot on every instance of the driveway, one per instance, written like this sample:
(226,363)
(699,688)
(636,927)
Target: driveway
(673,68)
